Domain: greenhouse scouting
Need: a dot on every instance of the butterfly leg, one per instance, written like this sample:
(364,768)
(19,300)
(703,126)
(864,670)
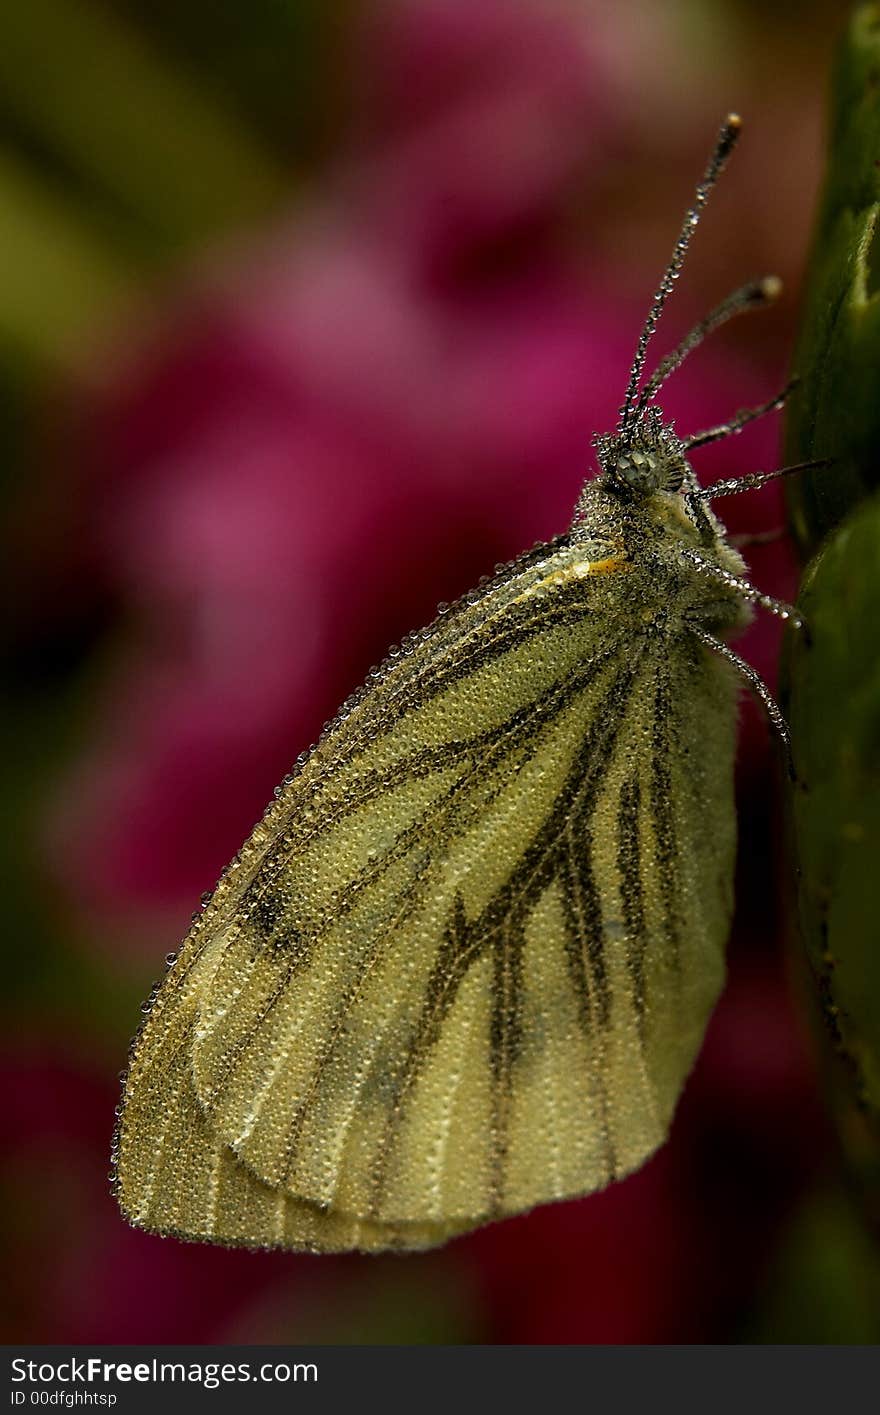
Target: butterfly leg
(759,688)
(744,588)
(731,486)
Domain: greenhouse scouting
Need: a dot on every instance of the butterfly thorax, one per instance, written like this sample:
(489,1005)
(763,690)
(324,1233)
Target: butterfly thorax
(640,522)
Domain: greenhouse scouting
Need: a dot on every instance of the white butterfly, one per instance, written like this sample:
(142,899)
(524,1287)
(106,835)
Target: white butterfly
(464,963)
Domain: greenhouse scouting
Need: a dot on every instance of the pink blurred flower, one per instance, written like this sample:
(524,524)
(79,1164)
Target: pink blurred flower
(73,1272)
(481,117)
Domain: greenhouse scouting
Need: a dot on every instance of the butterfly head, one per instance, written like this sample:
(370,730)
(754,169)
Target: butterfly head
(643,457)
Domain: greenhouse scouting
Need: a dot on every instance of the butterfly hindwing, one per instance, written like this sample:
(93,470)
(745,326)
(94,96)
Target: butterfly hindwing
(464,963)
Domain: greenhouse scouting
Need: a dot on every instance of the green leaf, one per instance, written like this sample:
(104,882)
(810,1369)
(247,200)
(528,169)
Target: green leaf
(834,708)
(833,674)
(835,411)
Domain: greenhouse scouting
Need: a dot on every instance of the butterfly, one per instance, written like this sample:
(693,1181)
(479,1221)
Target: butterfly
(465,962)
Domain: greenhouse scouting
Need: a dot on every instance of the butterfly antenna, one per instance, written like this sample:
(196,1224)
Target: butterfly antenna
(730,130)
(755,295)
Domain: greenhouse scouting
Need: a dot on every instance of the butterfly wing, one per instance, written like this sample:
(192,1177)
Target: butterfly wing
(465,962)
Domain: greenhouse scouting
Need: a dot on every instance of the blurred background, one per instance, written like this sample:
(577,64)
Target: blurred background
(308,313)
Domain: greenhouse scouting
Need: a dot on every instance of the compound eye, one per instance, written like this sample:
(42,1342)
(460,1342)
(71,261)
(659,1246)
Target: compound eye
(640,470)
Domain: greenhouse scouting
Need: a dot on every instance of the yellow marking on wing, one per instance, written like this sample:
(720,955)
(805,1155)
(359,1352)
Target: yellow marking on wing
(580,570)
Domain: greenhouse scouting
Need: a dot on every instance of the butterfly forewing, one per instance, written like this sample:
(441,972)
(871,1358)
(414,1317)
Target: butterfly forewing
(465,962)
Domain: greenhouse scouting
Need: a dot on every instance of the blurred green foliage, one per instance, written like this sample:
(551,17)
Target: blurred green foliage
(834,672)
(133,135)
(286,67)
(823,1286)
